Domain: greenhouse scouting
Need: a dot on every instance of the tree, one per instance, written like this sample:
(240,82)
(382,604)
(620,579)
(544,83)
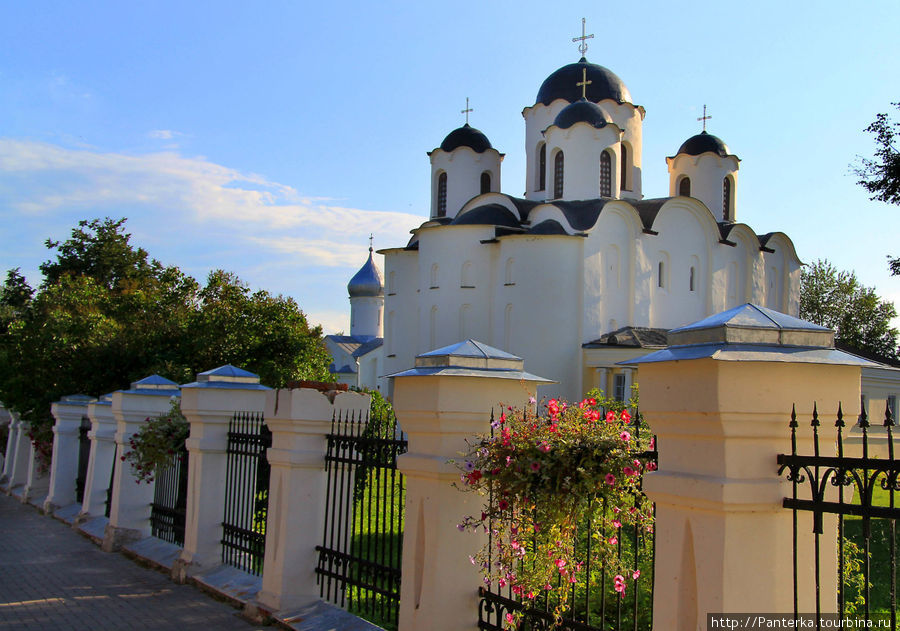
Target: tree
(881,175)
(106,315)
(838,300)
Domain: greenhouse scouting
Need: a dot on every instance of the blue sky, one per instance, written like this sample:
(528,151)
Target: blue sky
(271,138)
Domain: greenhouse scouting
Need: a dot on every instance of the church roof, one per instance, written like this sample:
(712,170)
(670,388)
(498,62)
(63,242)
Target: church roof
(704,142)
(489,214)
(582,111)
(633,336)
(367,281)
(604,84)
(466,136)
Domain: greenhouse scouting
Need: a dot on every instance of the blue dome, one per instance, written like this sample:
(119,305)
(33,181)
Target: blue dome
(367,281)
(466,136)
(604,84)
(582,111)
(704,143)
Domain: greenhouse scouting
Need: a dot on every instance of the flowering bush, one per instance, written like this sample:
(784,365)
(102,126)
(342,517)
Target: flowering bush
(152,447)
(544,476)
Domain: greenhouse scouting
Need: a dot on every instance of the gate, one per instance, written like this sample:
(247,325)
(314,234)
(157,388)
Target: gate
(84,456)
(359,559)
(866,516)
(246,492)
(169,509)
(595,604)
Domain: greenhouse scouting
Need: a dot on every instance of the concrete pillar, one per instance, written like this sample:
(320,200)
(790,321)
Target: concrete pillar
(719,399)
(103,455)
(129,515)
(37,480)
(9,459)
(209,404)
(299,421)
(445,399)
(18,450)
(68,412)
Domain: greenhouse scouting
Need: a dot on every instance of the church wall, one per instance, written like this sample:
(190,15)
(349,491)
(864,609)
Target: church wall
(731,264)
(366,317)
(629,120)
(707,173)
(464,168)
(537,119)
(582,146)
(401,307)
(544,325)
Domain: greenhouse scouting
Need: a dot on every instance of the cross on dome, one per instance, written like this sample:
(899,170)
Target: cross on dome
(371,237)
(704,118)
(467,110)
(584,83)
(582,47)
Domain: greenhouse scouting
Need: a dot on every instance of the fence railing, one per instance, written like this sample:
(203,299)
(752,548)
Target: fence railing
(246,492)
(866,512)
(112,480)
(84,456)
(594,604)
(359,559)
(169,509)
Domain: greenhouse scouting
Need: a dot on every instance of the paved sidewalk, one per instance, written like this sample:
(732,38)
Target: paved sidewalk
(53,578)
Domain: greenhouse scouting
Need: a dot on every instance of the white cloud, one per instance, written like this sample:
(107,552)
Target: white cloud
(162,134)
(332,321)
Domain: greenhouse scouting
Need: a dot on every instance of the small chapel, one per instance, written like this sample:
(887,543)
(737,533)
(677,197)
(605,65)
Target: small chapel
(584,270)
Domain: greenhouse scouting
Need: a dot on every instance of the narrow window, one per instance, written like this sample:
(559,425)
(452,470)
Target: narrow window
(624,169)
(508,277)
(726,199)
(434,276)
(693,277)
(442,195)
(660,274)
(485,182)
(605,175)
(392,285)
(684,188)
(542,168)
(619,387)
(892,405)
(558,167)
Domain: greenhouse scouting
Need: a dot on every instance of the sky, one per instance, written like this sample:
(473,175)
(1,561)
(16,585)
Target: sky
(271,138)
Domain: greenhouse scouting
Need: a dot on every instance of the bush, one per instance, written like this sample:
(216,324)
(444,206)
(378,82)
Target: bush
(153,446)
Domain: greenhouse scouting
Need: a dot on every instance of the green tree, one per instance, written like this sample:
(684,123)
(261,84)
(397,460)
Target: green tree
(881,174)
(838,300)
(106,314)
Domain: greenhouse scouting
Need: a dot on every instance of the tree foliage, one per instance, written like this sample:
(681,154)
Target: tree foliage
(838,300)
(106,315)
(881,174)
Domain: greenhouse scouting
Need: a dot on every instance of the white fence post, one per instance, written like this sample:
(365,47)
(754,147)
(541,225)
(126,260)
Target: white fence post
(103,455)
(68,412)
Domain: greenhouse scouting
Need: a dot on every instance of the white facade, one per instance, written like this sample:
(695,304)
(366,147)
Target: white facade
(541,277)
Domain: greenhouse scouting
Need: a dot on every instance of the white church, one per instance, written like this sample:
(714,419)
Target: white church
(585,270)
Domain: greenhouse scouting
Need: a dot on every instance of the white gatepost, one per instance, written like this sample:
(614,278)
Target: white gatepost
(12,442)
(21,450)
(37,481)
(446,399)
(102,459)
(69,413)
(129,513)
(209,405)
(299,421)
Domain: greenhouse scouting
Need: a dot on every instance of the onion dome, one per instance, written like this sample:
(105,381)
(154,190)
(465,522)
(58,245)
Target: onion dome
(704,143)
(466,136)
(582,111)
(367,281)
(604,84)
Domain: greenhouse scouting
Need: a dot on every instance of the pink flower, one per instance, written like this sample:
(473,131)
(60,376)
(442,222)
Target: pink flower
(610,417)
(613,541)
(610,479)
(619,582)
(535,466)
(544,446)
(510,618)
(502,504)
(651,466)
(625,436)
(531,400)
(560,565)
(616,523)
(636,574)
(628,471)
(626,417)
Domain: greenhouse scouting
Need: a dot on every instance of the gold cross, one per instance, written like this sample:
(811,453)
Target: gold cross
(584,83)
(704,118)
(582,47)
(467,110)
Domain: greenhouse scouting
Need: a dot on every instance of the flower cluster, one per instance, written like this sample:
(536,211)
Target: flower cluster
(552,481)
(153,446)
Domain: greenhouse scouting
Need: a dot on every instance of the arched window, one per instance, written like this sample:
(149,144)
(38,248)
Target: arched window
(558,168)
(684,187)
(661,274)
(624,170)
(508,278)
(542,168)
(434,276)
(466,277)
(485,182)
(726,199)
(692,280)
(392,284)
(442,195)
(605,175)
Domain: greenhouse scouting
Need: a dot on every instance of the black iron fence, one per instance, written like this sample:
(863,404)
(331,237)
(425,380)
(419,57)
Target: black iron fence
(169,509)
(84,456)
(594,604)
(359,559)
(860,491)
(112,480)
(246,492)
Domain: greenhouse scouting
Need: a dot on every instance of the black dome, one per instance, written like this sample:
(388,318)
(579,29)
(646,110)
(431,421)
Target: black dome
(604,84)
(703,143)
(582,111)
(466,136)
(488,215)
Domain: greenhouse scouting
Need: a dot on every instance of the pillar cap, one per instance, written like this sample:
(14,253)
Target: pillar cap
(752,333)
(227,376)
(470,358)
(77,399)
